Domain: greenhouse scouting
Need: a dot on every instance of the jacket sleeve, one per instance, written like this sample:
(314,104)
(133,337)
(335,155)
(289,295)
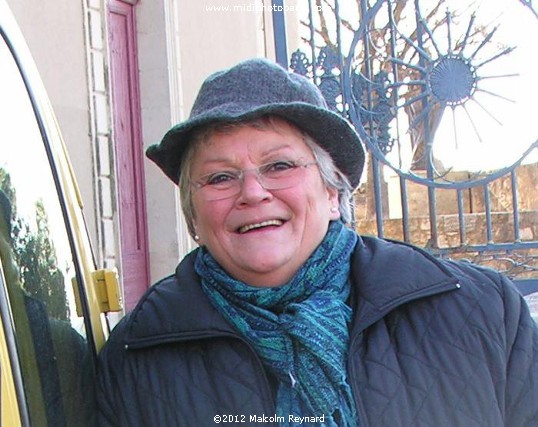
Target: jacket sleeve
(522,360)
(109,384)
(107,416)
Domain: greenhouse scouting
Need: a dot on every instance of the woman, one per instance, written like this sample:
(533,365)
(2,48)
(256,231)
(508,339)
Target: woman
(284,315)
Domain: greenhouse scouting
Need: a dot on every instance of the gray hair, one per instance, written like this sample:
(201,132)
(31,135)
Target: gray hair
(332,177)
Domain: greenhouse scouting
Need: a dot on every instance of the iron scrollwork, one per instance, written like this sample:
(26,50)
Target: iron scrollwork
(422,87)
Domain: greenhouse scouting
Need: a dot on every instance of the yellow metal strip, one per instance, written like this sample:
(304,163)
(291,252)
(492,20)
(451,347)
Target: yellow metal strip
(8,397)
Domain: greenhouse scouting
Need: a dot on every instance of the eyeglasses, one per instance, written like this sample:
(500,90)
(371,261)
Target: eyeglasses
(275,175)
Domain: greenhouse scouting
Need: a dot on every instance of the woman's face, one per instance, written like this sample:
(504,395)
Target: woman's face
(261,236)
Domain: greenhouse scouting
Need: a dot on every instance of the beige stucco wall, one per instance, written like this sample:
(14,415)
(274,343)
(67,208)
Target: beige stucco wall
(212,40)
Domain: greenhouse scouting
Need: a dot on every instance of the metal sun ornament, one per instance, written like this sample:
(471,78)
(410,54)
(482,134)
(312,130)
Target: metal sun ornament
(452,80)
(423,100)
(453,77)
(438,90)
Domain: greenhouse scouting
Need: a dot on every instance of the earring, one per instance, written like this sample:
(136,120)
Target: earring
(196,237)
(334,209)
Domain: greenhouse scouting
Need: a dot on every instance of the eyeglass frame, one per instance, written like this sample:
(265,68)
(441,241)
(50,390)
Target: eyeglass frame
(240,176)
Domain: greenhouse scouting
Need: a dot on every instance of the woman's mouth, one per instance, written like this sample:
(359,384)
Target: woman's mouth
(249,227)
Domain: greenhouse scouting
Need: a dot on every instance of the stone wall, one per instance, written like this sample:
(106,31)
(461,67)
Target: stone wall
(474,231)
(446,200)
(473,199)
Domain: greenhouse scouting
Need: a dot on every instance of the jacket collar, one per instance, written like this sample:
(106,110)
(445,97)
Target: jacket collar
(175,309)
(384,275)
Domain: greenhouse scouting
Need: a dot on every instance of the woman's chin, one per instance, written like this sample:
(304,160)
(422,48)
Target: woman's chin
(267,268)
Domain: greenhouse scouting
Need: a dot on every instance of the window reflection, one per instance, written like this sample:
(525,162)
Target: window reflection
(51,339)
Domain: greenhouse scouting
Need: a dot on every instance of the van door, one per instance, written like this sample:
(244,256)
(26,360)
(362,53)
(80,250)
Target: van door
(49,343)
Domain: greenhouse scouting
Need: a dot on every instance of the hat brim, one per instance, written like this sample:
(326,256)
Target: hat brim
(328,129)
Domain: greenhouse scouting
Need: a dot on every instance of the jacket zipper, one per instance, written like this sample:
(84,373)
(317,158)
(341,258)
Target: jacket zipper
(361,412)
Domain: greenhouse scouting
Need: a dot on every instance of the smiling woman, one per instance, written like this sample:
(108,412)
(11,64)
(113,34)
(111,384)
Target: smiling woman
(266,232)
(277,175)
(285,310)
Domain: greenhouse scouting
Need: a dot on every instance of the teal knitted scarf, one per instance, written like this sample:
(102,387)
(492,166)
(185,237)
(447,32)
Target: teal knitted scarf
(299,330)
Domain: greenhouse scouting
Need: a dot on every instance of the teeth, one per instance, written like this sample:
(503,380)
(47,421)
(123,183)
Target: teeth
(249,227)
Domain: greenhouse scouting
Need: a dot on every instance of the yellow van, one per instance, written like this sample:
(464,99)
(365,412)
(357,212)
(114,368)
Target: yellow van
(52,299)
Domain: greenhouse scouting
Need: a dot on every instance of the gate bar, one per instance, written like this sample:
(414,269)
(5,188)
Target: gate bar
(279,33)
(515,205)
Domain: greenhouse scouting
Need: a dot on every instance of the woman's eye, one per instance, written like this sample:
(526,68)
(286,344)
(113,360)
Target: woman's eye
(280,166)
(221,178)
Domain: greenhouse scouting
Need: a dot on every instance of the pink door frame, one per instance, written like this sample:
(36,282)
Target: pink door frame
(128,149)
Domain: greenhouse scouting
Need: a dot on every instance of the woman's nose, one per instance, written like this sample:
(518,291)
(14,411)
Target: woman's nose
(252,189)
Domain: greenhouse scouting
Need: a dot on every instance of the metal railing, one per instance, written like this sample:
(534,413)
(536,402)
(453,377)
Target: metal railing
(426,88)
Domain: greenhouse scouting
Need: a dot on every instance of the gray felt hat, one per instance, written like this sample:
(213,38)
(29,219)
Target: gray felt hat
(255,88)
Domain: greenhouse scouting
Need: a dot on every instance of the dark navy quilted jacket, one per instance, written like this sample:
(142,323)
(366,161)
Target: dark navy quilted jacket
(432,344)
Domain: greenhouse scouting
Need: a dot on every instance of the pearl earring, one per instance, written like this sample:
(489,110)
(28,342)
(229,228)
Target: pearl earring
(334,209)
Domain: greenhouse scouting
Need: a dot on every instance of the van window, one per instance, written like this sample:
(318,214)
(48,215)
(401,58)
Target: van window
(54,354)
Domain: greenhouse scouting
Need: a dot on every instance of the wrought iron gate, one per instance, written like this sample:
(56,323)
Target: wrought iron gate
(432,88)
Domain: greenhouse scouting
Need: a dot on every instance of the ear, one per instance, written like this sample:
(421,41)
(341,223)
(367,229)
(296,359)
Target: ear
(334,203)
(196,236)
